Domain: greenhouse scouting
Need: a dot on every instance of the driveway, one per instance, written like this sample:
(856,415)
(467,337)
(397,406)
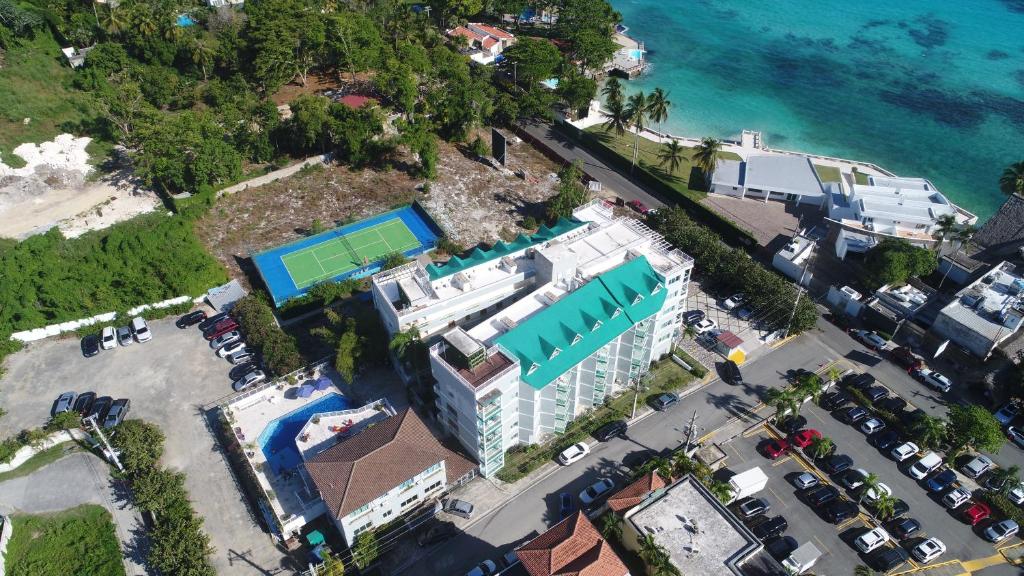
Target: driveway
(80,478)
(169,381)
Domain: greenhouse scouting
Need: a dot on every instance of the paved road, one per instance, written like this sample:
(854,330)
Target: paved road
(80,478)
(610,178)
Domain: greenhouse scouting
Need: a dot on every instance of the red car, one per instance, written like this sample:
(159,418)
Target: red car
(638,206)
(776,448)
(217,332)
(803,438)
(976,513)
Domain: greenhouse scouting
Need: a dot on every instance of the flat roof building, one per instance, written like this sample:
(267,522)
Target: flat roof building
(784,177)
(986,313)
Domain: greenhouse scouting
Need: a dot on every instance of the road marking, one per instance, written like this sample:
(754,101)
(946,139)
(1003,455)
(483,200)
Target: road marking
(982,563)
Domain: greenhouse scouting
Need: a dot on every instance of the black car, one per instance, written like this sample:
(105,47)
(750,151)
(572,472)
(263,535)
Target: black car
(90,345)
(850,479)
(436,533)
(899,508)
(191,318)
(876,393)
(212,321)
(770,528)
(904,528)
(885,440)
(781,547)
(834,400)
(893,404)
(693,316)
(939,482)
(611,430)
(750,507)
(242,369)
(859,381)
(852,415)
(792,424)
(886,559)
(100,408)
(836,464)
(664,401)
(821,495)
(731,373)
(84,402)
(841,511)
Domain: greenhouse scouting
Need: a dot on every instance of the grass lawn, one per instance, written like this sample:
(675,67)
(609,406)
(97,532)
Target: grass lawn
(828,173)
(48,456)
(78,541)
(35,83)
(860,178)
(648,158)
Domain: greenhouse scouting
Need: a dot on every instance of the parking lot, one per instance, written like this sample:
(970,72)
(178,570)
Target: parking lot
(169,380)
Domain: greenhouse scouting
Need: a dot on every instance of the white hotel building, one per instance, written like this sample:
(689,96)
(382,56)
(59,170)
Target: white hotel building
(536,332)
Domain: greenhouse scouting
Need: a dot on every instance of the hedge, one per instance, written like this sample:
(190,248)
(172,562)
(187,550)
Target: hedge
(1002,504)
(279,349)
(576,431)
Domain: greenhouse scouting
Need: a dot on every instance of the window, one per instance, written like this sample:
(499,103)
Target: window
(414,498)
(359,510)
(362,529)
(388,513)
(407,484)
(433,486)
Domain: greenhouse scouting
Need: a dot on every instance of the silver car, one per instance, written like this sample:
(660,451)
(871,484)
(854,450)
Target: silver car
(978,466)
(459,508)
(225,339)
(124,336)
(251,379)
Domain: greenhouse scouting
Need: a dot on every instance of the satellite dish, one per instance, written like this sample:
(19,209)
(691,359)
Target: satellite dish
(941,349)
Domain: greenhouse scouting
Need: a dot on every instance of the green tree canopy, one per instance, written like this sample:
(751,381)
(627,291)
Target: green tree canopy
(973,427)
(141,445)
(532,60)
(184,151)
(895,261)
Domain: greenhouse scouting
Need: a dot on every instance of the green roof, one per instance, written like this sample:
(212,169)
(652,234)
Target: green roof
(479,256)
(574,327)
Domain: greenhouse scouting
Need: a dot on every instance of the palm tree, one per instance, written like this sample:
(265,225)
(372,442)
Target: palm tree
(705,156)
(612,90)
(961,237)
(618,118)
(1006,478)
(870,482)
(637,109)
(721,490)
(784,401)
(143,21)
(113,20)
(862,570)
(611,526)
(821,447)
(655,556)
(1012,180)
(810,385)
(672,153)
(658,106)
(834,373)
(945,229)
(683,465)
(202,54)
(663,466)
(885,506)
(929,431)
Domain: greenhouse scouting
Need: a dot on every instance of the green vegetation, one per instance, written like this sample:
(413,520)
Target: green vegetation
(972,427)
(76,541)
(860,178)
(1012,179)
(48,456)
(697,369)
(828,173)
(895,261)
(571,193)
(262,333)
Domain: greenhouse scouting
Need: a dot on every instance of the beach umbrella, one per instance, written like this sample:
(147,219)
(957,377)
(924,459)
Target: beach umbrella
(306,390)
(323,383)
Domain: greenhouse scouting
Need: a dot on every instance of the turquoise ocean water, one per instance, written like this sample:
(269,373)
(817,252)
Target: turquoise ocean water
(931,88)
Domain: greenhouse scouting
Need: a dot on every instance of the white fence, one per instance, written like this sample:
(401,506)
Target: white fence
(72,325)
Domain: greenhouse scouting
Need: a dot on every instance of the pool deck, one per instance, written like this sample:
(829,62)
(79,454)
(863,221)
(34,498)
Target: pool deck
(291,493)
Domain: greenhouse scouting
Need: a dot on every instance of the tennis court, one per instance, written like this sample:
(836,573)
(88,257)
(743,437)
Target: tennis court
(353,250)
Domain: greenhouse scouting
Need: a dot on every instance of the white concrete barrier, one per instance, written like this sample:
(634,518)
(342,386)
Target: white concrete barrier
(72,325)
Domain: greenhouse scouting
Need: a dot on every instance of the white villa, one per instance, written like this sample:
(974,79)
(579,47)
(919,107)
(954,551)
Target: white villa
(486,43)
(782,177)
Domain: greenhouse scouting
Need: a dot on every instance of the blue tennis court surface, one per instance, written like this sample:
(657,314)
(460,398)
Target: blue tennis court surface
(352,251)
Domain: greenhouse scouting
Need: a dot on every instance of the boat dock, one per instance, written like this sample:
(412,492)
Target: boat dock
(629,60)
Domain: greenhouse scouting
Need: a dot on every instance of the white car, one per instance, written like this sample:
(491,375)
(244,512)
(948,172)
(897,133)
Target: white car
(734,300)
(928,550)
(225,339)
(705,325)
(485,568)
(1016,436)
(956,498)
(904,451)
(871,540)
(573,453)
(1007,413)
(933,379)
(251,379)
(872,494)
(872,425)
(108,338)
(236,346)
(805,481)
(978,466)
(870,339)
(1016,495)
(141,330)
(596,490)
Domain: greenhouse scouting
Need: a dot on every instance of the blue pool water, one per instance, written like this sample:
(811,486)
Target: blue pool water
(930,88)
(636,54)
(551,83)
(184,20)
(278,439)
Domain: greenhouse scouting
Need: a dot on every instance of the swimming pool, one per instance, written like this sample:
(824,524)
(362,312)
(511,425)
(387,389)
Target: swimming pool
(278,439)
(551,83)
(184,20)
(636,54)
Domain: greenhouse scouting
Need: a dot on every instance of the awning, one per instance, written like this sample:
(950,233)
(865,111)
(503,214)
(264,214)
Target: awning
(323,383)
(306,390)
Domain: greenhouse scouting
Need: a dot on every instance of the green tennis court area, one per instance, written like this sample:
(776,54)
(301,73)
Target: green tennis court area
(348,252)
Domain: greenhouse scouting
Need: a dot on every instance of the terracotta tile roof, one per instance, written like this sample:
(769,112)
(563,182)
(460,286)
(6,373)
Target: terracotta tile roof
(358,470)
(489,42)
(355,100)
(466,33)
(635,493)
(496,32)
(573,547)
(729,339)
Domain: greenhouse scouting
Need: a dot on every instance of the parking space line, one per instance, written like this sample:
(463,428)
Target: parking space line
(777,497)
(982,563)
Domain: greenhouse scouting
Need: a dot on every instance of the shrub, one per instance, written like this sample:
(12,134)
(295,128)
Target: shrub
(697,369)
(280,351)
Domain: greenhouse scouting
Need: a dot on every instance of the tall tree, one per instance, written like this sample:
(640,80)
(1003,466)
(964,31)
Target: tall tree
(348,352)
(1012,180)
(972,426)
(894,261)
(929,432)
(612,90)
(288,38)
(884,506)
(571,192)
(961,237)
(672,153)
(531,60)
(637,109)
(611,526)
(659,105)
(821,447)
(575,89)
(784,401)
(945,228)
(618,118)
(184,151)
(705,156)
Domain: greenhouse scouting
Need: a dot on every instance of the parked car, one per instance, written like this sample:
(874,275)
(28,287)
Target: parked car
(436,534)
(871,426)
(840,511)
(84,402)
(705,325)
(566,505)
(90,345)
(140,329)
(770,528)
(596,490)
(190,319)
(573,453)
(731,373)
(876,393)
(899,508)
(904,451)
(886,559)
(804,438)
(124,336)
(734,300)
(510,559)
(214,334)
(212,321)
(932,379)
(249,379)
(750,507)
(852,415)
(906,358)
(611,430)
(693,316)
(745,312)
(821,495)
(834,400)
(885,440)
(780,547)
(240,357)
(870,339)
(1001,531)
(791,424)
(928,550)
(485,568)
(805,481)
(225,339)
(459,508)
(776,448)
(925,466)
(63,403)
(838,463)
(871,540)
(100,408)
(664,401)
(1015,435)
(118,411)
(638,206)
(956,498)
(871,495)
(108,338)
(852,478)
(893,404)
(240,370)
(977,512)
(1016,495)
(225,324)
(1007,413)
(860,382)
(904,528)
(977,466)
(941,481)
(236,346)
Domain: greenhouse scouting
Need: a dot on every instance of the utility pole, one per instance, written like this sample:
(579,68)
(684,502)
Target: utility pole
(689,432)
(108,450)
(636,395)
(792,314)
